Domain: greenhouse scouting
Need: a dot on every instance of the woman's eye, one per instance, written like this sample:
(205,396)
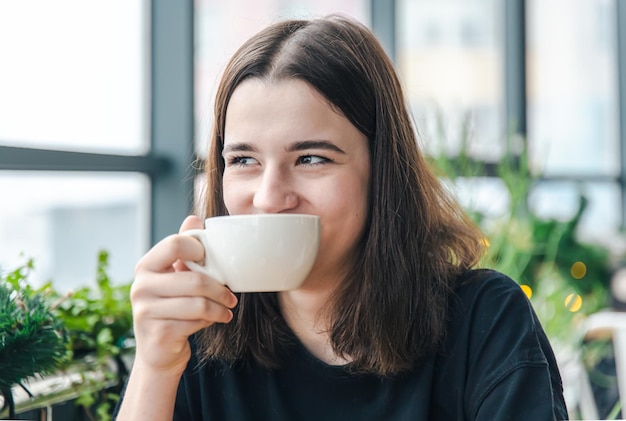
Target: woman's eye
(241,161)
(312,160)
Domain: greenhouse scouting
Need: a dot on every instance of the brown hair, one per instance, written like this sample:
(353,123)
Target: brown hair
(392,307)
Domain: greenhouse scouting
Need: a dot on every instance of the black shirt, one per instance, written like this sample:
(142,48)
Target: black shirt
(496,364)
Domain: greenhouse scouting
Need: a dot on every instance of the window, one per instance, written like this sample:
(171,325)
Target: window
(573,130)
(62,220)
(73,78)
(449,57)
(572,101)
(73,75)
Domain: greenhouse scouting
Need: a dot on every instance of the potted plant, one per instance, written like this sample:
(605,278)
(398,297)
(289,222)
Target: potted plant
(33,340)
(83,337)
(99,322)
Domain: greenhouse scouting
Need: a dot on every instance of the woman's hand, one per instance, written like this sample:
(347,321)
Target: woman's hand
(170,302)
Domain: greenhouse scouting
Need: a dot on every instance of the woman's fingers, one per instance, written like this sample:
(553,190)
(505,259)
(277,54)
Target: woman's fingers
(185,309)
(168,251)
(169,307)
(182,284)
(168,254)
(191,222)
(170,303)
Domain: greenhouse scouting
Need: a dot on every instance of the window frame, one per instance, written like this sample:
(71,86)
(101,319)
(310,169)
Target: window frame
(168,164)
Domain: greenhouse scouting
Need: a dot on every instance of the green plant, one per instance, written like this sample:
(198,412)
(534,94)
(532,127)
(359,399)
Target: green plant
(32,337)
(564,276)
(99,320)
(43,331)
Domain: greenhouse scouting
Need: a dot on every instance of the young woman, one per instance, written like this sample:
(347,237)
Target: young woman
(392,323)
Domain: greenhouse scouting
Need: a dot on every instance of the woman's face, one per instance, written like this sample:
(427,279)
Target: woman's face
(287,151)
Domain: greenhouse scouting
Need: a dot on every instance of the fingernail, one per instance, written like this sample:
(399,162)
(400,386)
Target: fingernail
(233,300)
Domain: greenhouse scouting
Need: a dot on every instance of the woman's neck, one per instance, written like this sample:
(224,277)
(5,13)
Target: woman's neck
(307,313)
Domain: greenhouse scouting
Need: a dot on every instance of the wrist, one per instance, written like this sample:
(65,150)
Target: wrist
(150,392)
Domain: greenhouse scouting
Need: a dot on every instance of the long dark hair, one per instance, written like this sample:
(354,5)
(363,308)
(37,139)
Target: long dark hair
(391,308)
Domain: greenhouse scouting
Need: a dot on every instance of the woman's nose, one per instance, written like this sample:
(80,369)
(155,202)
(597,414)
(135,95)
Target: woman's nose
(274,193)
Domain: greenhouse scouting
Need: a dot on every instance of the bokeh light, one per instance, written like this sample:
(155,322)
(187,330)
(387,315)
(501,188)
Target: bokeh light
(578,270)
(527,290)
(573,302)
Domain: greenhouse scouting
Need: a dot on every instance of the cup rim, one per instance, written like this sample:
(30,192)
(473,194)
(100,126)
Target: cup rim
(265,216)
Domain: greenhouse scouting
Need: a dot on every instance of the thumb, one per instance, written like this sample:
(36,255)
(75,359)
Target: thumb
(191,222)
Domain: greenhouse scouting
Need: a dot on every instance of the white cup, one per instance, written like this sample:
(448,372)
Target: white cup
(258,252)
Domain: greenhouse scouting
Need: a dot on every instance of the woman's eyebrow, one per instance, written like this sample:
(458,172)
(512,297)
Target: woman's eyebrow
(297,146)
(238,147)
(314,144)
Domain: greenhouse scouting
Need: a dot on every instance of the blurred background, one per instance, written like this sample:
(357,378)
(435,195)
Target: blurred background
(104,105)
(105,110)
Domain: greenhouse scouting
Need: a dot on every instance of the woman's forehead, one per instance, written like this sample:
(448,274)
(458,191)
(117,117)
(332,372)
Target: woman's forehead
(258,107)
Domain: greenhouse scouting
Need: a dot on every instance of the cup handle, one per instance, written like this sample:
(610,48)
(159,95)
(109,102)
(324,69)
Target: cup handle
(207,267)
